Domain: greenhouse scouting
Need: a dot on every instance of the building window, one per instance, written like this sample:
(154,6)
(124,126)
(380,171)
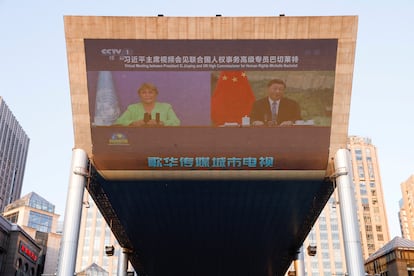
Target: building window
(368,153)
(12,217)
(362,188)
(370,170)
(358,154)
(326,265)
(19,263)
(338,265)
(41,204)
(364,201)
(361,172)
(40,222)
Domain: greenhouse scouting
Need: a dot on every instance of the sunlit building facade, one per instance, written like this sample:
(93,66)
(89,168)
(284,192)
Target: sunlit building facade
(94,235)
(326,236)
(326,233)
(33,211)
(394,258)
(14,146)
(406,213)
(372,214)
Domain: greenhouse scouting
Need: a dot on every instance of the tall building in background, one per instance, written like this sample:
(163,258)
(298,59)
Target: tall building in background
(406,213)
(369,195)
(326,237)
(94,236)
(326,233)
(14,145)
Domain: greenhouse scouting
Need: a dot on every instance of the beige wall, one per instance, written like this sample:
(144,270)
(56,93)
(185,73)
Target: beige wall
(407,209)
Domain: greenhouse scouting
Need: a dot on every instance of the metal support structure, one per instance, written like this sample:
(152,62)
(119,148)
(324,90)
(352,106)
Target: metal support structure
(74,201)
(123,262)
(299,263)
(349,219)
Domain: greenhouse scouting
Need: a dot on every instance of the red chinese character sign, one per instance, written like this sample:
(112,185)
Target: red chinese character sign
(26,251)
(210,104)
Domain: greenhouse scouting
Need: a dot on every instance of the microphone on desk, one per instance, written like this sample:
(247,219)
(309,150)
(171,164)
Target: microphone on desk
(157,117)
(147,117)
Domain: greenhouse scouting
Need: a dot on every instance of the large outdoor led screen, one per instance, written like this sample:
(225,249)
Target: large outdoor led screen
(208,104)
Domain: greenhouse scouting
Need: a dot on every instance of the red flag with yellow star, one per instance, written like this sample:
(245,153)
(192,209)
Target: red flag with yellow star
(232,98)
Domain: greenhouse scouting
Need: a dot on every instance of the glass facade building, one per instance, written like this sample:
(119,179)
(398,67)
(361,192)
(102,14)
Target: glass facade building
(37,217)
(40,222)
(33,211)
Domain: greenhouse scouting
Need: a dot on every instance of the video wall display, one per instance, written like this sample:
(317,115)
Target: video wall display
(210,104)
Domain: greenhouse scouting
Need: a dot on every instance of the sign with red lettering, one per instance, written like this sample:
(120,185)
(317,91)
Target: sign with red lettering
(26,251)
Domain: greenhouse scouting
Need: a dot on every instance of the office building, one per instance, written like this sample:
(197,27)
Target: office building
(326,233)
(394,258)
(406,213)
(37,217)
(369,195)
(14,145)
(326,237)
(94,235)
(402,216)
(19,252)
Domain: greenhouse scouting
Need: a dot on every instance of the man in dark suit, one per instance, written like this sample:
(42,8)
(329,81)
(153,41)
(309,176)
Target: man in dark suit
(275,109)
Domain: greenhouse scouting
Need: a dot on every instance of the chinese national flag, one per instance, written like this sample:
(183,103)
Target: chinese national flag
(232,98)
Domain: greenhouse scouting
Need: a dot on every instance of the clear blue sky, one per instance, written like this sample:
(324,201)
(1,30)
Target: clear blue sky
(34,77)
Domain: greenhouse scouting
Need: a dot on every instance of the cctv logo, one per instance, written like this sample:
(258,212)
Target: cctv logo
(111,52)
(116,52)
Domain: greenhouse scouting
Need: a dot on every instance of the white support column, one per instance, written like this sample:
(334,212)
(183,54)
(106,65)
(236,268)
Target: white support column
(349,219)
(123,262)
(299,263)
(69,244)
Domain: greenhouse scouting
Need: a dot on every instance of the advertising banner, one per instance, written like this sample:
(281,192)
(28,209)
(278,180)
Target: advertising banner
(210,104)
